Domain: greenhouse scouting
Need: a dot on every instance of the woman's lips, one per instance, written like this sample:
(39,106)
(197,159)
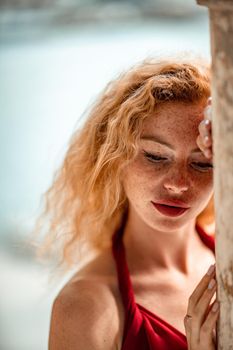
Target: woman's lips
(169,210)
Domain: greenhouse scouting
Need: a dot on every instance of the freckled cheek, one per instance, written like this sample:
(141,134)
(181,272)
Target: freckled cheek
(136,182)
(202,187)
(149,170)
(208,185)
(204,180)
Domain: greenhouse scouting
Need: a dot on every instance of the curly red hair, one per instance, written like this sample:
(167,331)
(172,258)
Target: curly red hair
(86,201)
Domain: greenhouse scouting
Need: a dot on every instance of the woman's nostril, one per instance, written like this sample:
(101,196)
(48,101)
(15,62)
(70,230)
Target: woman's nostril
(176,188)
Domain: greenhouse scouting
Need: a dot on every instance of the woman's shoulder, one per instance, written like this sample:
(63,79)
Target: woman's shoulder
(86,310)
(100,274)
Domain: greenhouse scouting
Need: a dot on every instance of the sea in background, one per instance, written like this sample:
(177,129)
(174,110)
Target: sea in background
(48,79)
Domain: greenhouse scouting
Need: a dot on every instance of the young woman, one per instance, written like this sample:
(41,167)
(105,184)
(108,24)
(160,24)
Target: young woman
(136,185)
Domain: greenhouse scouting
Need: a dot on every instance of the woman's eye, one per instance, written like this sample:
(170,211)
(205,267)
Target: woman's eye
(153,157)
(203,166)
(197,165)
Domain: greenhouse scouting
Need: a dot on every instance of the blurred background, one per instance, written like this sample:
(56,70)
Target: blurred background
(55,58)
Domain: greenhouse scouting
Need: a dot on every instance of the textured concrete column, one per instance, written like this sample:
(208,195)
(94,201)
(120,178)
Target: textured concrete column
(221,28)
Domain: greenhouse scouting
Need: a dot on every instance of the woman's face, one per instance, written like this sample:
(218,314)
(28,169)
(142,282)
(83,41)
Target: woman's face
(169,166)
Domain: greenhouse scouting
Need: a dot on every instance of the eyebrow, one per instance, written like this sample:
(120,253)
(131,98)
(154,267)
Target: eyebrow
(159,139)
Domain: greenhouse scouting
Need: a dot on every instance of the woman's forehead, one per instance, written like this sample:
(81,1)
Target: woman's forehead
(179,108)
(176,123)
(176,113)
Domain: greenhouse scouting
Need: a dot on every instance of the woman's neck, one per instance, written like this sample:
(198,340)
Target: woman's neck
(148,249)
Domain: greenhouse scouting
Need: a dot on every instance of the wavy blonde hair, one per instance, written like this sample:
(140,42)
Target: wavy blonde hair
(86,200)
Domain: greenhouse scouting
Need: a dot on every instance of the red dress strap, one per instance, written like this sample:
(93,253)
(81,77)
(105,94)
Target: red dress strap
(208,240)
(124,280)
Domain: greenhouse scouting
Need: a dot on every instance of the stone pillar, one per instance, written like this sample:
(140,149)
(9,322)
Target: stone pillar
(221,28)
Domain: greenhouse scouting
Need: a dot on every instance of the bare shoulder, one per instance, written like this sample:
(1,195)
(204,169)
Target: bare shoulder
(86,312)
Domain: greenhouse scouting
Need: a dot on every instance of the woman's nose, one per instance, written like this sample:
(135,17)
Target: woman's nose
(176,183)
(176,189)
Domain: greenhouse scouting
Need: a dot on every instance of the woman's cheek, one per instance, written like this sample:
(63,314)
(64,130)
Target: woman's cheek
(205,180)
(151,167)
(136,178)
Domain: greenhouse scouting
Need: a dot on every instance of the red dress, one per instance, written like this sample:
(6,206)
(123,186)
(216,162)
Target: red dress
(144,330)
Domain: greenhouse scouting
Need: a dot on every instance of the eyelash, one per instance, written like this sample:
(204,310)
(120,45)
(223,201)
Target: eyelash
(154,158)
